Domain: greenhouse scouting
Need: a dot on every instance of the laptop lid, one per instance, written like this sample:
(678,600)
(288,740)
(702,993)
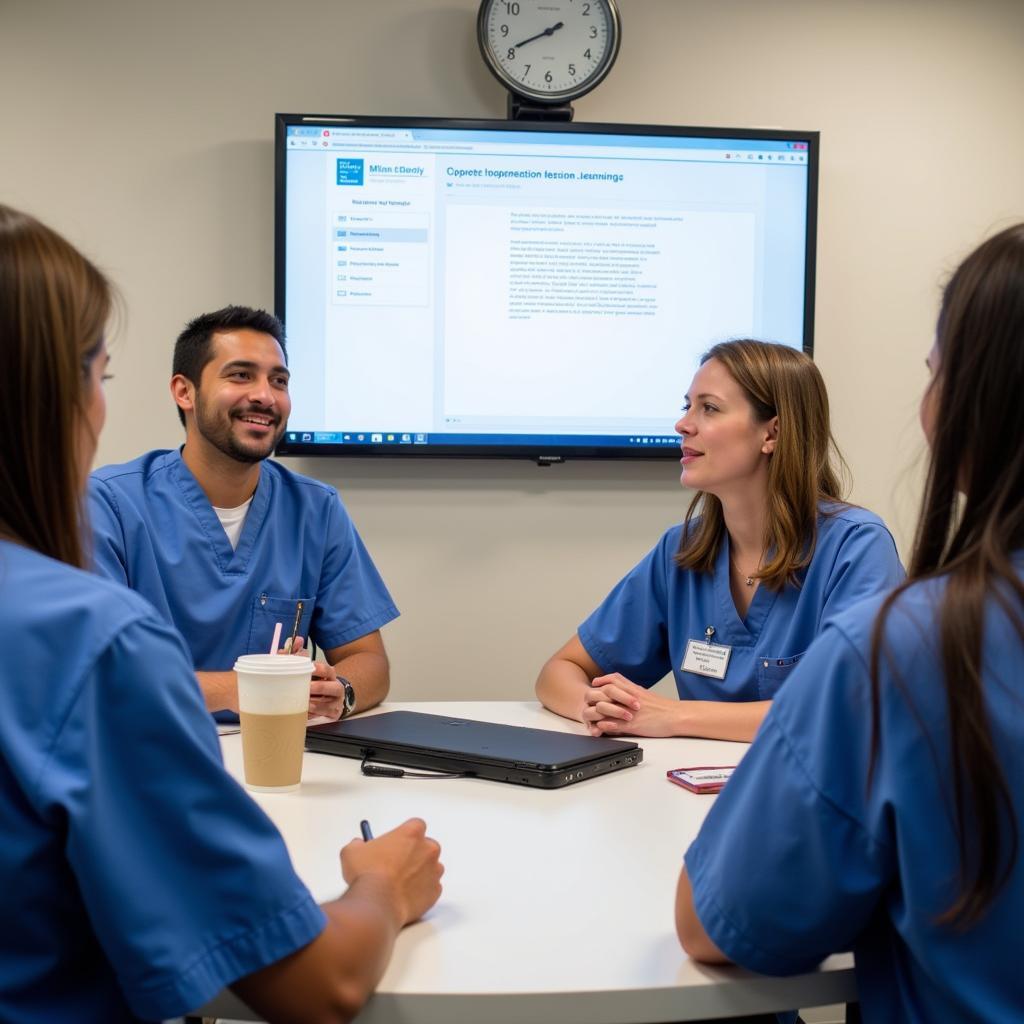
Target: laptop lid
(470,741)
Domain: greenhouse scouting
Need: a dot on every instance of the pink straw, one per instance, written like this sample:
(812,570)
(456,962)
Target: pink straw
(276,642)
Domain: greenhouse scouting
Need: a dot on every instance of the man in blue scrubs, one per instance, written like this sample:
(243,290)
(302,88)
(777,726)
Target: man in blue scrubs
(226,544)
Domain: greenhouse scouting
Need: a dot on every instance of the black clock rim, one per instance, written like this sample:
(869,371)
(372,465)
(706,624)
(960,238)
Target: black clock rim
(551,98)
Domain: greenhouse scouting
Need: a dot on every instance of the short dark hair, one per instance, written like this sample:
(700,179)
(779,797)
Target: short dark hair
(194,349)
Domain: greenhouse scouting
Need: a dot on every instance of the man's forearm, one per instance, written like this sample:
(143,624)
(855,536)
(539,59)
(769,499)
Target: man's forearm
(370,676)
(220,690)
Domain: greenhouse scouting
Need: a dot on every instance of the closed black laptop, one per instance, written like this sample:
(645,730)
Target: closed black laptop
(505,753)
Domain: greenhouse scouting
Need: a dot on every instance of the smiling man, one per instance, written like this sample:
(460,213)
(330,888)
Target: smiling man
(225,544)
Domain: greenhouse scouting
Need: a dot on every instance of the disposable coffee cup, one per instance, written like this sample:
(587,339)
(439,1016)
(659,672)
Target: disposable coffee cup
(273,698)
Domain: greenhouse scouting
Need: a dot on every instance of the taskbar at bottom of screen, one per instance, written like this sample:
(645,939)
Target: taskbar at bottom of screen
(363,439)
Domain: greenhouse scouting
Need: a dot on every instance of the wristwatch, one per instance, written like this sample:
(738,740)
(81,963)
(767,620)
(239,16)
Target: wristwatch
(350,697)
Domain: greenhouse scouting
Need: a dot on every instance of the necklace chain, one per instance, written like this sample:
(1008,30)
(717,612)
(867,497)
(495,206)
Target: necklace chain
(747,578)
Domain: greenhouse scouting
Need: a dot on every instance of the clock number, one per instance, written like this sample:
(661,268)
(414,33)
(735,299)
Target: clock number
(527,71)
(511,8)
(593,31)
(586,10)
(586,53)
(547,76)
(511,55)
(572,70)
(504,31)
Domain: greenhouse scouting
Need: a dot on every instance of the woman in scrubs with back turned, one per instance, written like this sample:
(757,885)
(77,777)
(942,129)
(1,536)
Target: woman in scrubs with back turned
(891,768)
(730,600)
(138,878)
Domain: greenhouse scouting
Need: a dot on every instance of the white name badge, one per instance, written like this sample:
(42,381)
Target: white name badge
(706,659)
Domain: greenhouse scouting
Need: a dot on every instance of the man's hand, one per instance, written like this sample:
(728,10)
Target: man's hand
(616,706)
(406,861)
(326,694)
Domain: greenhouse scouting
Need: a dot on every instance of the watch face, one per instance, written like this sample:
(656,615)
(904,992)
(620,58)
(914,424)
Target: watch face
(549,50)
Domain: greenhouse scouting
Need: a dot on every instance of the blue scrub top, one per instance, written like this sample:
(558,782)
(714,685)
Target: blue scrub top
(846,867)
(642,628)
(155,530)
(138,877)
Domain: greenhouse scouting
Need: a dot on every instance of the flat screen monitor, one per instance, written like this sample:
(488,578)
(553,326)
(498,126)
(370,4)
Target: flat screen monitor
(537,290)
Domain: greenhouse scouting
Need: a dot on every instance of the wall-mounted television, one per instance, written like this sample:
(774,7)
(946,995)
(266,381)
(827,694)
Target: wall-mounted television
(538,290)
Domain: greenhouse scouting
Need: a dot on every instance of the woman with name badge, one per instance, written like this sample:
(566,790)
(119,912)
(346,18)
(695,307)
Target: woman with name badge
(139,878)
(891,767)
(729,600)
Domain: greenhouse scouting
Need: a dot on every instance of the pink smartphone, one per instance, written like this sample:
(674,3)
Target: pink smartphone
(701,780)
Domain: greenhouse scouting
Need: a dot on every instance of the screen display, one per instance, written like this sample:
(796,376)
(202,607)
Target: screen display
(531,290)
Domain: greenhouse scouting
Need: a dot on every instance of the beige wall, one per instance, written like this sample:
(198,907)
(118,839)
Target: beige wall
(143,131)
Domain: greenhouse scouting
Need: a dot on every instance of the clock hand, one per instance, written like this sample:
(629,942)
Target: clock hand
(540,35)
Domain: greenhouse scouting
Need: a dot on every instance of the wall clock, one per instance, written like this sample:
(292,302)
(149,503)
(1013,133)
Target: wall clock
(548,52)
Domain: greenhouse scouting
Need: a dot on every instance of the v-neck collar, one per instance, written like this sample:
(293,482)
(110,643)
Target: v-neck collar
(230,561)
(734,629)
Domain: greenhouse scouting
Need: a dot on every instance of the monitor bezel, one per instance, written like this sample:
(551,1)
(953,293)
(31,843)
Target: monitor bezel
(538,452)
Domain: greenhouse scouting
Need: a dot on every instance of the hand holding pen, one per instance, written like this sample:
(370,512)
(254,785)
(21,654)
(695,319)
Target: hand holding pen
(406,859)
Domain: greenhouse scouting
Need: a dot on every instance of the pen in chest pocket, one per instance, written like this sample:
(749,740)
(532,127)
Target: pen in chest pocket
(295,626)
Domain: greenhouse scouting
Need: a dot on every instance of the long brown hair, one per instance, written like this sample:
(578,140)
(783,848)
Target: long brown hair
(54,307)
(777,381)
(977,449)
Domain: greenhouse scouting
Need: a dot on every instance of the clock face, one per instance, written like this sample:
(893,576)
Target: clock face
(549,50)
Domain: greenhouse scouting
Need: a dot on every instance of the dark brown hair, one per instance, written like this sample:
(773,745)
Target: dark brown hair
(777,380)
(968,542)
(54,307)
(193,348)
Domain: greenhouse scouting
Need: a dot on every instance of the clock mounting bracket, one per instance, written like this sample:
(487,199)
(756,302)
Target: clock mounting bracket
(521,109)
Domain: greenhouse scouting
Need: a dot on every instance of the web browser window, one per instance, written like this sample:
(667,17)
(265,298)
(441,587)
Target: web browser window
(505,287)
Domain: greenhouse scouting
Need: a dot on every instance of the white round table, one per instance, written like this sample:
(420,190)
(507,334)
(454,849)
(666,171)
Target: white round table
(558,905)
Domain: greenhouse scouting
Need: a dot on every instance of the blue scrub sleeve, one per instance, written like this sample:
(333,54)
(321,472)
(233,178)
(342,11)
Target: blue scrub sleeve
(352,599)
(788,866)
(866,564)
(186,882)
(628,631)
(108,544)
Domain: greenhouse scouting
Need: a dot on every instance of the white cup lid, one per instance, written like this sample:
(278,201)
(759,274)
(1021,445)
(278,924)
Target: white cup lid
(274,664)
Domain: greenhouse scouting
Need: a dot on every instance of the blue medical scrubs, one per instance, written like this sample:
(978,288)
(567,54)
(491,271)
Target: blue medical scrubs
(798,858)
(155,530)
(642,628)
(138,878)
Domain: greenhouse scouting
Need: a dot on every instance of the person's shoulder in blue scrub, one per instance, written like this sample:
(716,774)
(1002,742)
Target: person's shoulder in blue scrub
(730,600)
(95,821)
(140,879)
(892,765)
(226,544)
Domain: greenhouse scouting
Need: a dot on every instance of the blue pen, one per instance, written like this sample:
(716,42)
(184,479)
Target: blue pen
(364,827)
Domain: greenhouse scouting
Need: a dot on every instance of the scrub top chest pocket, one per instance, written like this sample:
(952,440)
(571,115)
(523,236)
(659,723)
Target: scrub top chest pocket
(772,673)
(267,611)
